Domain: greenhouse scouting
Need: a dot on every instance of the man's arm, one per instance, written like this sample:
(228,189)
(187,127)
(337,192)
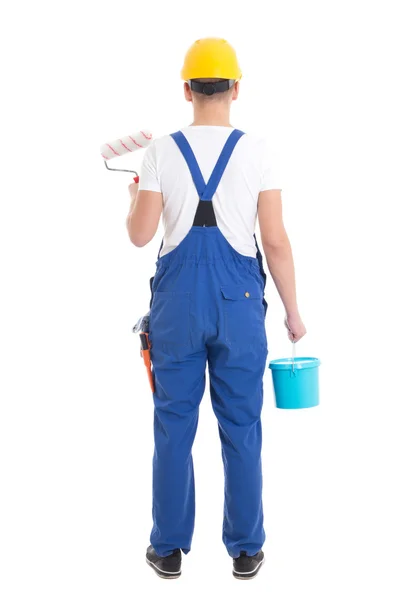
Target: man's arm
(144,215)
(279,257)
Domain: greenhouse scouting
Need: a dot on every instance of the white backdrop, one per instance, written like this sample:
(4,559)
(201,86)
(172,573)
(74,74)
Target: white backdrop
(321,81)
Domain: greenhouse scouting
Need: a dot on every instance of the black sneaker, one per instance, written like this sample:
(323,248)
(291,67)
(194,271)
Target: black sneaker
(247,567)
(166,567)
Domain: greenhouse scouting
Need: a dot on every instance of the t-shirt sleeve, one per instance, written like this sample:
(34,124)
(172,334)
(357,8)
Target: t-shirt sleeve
(270,170)
(149,179)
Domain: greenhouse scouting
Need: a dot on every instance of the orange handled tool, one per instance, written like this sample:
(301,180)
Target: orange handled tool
(145,352)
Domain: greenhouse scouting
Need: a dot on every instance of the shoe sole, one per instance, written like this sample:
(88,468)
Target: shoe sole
(250,575)
(163,574)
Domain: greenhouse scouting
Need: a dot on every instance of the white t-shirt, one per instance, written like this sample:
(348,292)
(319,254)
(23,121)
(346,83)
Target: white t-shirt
(250,170)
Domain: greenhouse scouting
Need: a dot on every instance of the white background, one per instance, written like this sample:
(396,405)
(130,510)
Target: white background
(321,81)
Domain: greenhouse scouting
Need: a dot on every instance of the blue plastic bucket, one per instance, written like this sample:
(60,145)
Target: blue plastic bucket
(295,382)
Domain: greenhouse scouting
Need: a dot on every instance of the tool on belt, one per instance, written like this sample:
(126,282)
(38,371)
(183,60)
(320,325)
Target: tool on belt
(145,352)
(142,327)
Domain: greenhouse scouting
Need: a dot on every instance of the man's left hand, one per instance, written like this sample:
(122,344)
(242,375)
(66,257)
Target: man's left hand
(133,189)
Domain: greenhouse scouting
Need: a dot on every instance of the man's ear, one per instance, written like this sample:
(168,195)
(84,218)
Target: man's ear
(187,92)
(235,93)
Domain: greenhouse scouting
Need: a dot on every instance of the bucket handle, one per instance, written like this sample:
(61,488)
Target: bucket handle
(293,357)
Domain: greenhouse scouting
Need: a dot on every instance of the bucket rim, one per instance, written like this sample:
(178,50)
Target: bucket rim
(300,362)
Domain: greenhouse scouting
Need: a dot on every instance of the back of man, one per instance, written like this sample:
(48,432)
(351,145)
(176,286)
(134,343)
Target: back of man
(250,171)
(210,181)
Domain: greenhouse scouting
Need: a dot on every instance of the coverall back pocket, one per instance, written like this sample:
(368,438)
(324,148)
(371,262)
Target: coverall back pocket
(243,313)
(170,318)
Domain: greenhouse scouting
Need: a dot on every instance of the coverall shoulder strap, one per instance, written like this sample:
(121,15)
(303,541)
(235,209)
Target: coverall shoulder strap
(192,163)
(222,162)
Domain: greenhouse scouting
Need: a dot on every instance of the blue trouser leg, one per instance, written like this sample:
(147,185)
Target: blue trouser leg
(236,392)
(179,382)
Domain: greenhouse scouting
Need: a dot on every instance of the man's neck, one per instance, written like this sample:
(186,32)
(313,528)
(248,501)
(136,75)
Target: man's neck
(212,115)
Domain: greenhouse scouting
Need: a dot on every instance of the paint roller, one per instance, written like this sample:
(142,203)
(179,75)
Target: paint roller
(129,143)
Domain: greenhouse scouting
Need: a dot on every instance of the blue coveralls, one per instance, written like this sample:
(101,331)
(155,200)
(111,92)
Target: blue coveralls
(207,307)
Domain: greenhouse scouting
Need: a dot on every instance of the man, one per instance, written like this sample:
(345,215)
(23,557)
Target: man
(210,182)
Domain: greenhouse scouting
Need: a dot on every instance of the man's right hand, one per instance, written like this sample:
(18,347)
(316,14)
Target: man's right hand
(295,327)
(279,258)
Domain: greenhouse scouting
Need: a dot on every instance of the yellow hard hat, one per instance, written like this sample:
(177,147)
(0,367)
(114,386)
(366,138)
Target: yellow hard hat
(211,58)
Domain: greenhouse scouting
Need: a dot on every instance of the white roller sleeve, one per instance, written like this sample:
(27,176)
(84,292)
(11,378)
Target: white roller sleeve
(129,143)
